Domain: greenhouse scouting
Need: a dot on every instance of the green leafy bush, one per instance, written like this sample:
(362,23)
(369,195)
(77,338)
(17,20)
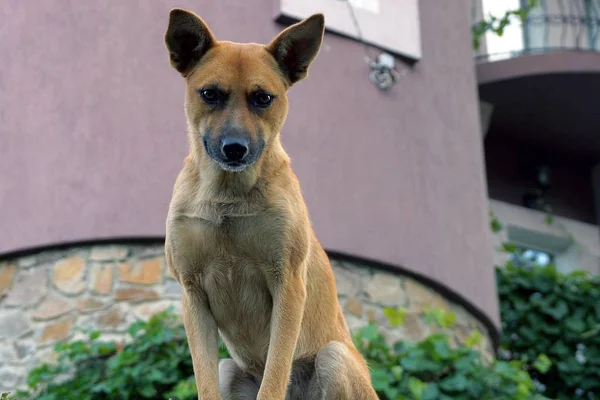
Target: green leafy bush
(150,366)
(544,312)
(434,370)
(156,364)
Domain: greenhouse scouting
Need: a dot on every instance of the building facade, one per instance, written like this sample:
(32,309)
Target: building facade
(92,136)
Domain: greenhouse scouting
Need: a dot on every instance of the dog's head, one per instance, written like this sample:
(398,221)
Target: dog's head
(236,94)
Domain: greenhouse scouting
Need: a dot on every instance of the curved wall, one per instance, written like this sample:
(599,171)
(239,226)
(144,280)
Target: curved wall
(49,296)
(92,135)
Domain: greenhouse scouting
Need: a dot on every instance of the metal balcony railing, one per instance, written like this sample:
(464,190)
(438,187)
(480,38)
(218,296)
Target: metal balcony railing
(551,25)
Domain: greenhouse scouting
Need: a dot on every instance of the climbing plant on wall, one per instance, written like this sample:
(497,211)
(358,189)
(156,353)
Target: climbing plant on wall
(497,24)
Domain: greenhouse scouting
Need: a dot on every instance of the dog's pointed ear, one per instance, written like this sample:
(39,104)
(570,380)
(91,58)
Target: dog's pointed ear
(297,46)
(187,39)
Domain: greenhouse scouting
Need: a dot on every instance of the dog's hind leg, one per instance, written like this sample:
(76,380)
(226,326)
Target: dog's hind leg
(235,384)
(342,374)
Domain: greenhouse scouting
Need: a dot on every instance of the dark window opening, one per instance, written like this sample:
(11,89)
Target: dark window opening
(515,173)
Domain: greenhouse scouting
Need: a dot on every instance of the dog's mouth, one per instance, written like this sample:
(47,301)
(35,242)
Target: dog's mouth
(232,166)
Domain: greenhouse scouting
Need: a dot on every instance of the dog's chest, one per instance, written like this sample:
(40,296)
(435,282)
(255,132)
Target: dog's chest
(234,261)
(241,304)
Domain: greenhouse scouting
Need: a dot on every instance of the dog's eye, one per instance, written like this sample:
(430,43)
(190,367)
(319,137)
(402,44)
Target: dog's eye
(210,96)
(262,99)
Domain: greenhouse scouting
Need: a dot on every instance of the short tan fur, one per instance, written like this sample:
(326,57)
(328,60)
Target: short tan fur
(238,236)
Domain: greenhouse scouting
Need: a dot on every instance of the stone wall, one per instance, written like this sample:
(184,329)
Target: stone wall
(45,296)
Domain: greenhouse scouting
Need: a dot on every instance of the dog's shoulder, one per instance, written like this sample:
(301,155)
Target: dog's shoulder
(185,190)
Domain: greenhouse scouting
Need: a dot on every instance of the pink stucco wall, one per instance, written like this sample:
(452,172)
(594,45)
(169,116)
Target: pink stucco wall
(92,135)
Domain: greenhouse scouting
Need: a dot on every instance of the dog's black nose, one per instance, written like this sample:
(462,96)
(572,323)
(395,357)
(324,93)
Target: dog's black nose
(234,149)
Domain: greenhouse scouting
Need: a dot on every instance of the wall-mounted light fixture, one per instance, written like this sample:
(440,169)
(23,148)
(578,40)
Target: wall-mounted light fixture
(383,72)
(392,26)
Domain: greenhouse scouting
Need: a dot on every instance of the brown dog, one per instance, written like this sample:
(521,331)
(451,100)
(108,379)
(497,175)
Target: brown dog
(239,239)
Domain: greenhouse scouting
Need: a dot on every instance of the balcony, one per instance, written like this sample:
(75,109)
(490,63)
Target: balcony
(550,26)
(557,37)
(538,85)
(539,81)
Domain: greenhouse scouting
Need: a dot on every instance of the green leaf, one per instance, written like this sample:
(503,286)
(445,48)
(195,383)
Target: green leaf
(495,224)
(441,317)
(419,364)
(592,332)
(380,379)
(148,391)
(431,392)
(136,327)
(416,387)
(185,389)
(441,349)
(474,339)
(542,363)
(449,320)
(397,372)
(370,332)
(575,325)
(560,349)
(95,335)
(504,369)
(559,311)
(456,383)
(396,316)
(391,392)
(509,247)
(528,333)
(590,383)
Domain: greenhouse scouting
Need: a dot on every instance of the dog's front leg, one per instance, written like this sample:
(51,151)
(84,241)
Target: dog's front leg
(202,334)
(289,297)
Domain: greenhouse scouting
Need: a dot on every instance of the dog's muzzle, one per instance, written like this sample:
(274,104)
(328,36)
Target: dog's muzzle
(233,151)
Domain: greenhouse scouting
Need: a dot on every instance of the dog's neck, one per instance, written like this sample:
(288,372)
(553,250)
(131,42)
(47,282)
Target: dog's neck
(221,193)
